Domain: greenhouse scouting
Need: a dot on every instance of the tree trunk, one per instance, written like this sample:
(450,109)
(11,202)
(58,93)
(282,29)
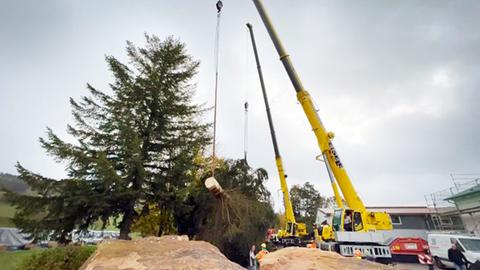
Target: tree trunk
(160,231)
(126,224)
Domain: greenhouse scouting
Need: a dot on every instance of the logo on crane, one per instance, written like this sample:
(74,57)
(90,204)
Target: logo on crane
(335,156)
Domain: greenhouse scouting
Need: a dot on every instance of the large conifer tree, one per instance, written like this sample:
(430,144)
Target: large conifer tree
(135,146)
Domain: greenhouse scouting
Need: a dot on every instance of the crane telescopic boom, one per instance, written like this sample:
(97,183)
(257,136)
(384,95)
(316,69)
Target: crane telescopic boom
(365,221)
(323,137)
(293,229)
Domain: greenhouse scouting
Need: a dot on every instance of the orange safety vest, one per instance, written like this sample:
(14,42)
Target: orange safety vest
(261,254)
(357,254)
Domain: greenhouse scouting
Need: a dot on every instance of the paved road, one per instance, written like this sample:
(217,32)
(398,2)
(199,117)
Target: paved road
(414,266)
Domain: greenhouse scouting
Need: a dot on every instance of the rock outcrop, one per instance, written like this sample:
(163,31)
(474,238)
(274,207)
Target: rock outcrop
(154,253)
(294,258)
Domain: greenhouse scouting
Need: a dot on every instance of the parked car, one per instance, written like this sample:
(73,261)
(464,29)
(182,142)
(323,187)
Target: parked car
(440,243)
(94,237)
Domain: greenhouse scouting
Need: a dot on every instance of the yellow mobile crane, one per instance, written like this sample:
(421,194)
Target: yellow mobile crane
(293,232)
(364,233)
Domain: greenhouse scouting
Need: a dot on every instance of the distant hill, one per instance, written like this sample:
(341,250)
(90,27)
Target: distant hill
(13,183)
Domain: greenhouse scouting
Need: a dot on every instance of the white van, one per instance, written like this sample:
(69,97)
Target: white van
(440,243)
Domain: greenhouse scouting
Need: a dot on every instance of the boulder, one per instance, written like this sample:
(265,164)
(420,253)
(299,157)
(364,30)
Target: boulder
(158,253)
(295,258)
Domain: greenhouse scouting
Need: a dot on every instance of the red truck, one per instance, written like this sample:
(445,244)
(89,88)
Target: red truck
(410,249)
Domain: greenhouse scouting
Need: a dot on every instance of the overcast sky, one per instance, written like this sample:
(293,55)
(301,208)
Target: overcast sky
(397,81)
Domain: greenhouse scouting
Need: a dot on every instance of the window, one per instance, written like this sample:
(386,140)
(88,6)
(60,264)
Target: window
(337,219)
(357,221)
(470,244)
(446,220)
(396,220)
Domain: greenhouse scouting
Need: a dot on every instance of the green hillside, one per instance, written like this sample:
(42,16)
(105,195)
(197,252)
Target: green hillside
(13,183)
(6,212)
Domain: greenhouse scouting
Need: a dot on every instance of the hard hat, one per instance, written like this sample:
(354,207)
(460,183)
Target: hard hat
(263,245)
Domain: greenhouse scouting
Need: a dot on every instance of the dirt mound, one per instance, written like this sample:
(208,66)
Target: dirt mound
(294,258)
(154,253)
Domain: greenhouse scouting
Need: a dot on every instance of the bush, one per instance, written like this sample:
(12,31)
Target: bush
(61,258)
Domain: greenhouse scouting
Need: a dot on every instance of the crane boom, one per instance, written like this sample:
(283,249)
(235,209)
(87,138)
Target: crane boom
(289,216)
(323,137)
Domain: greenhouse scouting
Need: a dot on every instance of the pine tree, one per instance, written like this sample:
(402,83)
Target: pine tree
(135,146)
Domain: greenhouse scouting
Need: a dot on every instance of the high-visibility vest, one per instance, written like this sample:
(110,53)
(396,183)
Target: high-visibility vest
(261,254)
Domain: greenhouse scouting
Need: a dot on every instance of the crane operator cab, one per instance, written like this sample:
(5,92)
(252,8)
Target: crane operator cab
(347,220)
(344,220)
(299,229)
(293,234)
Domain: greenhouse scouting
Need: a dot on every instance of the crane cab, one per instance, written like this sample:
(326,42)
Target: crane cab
(347,220)
(292,235)
(358,221)
(296,229)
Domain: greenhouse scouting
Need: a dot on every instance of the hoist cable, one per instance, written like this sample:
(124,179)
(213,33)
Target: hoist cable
(245,138)
(219,6)
(246,87)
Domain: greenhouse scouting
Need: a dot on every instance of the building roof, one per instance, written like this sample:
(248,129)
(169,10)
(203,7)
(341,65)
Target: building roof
(408,210)
(395,210)
(467,192)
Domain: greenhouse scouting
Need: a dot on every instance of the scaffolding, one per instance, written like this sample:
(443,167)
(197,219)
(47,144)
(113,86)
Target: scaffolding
(447,215)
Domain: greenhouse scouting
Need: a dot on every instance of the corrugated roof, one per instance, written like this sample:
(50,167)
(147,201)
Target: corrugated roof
(466,192)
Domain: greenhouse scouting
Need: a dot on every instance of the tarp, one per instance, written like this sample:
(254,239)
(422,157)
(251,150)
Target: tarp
(12,237)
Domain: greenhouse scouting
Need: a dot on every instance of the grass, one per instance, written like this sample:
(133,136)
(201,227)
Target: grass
(6,210)
(6,222)
(10,260)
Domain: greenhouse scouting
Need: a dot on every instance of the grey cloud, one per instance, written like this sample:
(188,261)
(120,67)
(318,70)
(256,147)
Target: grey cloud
(396,80)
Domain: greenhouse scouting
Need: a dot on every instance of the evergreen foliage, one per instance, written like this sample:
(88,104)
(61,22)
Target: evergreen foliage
(135,146)
(240,220)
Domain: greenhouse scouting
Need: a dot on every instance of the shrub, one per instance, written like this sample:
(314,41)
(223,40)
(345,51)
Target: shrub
(60,258)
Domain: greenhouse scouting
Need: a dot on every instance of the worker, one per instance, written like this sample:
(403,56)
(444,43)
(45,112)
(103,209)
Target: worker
(347,222)
(252,259)
(457,257)
(312,244)
(261,254)
(357,254)
(312,234)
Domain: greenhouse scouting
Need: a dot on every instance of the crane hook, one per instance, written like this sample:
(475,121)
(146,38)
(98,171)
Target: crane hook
(219,6)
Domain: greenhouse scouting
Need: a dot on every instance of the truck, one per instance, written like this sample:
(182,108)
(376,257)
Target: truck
(440,244)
